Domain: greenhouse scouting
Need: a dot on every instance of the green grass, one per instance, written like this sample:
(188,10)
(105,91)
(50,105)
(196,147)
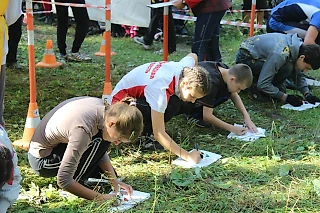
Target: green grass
(279,173)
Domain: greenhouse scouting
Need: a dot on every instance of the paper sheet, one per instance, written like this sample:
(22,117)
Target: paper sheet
(312,82)
(208,158)
(164,4)
(249,136)
(305,106)
(137,197)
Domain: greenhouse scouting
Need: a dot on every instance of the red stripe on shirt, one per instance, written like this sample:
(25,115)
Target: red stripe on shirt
(170,90)
(135,92)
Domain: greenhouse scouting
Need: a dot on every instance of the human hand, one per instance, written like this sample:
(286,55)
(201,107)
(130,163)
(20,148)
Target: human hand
(294,100)
(178,4)
(239,130)
(194,156)
(126,187)
(250,125)
(311,98)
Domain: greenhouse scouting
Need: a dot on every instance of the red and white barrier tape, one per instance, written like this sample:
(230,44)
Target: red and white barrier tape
(106,7)
(240,11)
(233,23)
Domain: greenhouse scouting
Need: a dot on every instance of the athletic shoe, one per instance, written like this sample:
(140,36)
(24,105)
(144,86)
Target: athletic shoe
(140,40)
(77,57)
(63,58)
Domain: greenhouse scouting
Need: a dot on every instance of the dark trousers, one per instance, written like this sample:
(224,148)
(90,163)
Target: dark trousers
(173,109)
(256,67)
(15,33)
(154,25)
(82,25)
(196,110)
(206,37)
(49,166)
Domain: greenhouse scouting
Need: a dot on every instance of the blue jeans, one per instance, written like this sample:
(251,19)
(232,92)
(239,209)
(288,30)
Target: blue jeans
(206,37)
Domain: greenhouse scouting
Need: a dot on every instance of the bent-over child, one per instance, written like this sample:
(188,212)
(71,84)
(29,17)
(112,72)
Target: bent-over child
(274,57)
(72,140)
(159,87)
(226,83)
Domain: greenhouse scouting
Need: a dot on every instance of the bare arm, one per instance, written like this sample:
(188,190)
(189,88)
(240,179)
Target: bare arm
(167,142)
(109,172)
(84,192)
(311,35)
(240,106)
(195,57)
(210,118)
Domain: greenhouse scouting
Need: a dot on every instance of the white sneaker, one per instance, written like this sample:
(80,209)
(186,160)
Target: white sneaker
(139,40)
(77,57)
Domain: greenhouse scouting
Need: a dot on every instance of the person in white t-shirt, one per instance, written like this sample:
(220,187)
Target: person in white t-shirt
(159,88)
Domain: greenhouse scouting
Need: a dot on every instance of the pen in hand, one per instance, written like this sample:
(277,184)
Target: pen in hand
(196,148)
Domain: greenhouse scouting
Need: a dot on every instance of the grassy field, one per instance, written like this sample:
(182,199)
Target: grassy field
(279,173)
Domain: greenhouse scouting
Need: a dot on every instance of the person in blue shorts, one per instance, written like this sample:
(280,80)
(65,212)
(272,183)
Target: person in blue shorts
(297,16)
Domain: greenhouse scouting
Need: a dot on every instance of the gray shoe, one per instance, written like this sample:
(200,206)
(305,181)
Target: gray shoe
(77,57)
(139,40)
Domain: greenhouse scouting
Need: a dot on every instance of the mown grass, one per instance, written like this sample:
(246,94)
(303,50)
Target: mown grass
(279,173)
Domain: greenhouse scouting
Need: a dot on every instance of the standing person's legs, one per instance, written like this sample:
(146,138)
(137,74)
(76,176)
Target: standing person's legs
(15,33)
(82,25)
(62,27)
(153,26)
(2,88)
(171,33)
(205,28)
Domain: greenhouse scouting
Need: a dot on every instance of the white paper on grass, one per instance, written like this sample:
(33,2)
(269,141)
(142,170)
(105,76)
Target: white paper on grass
(312,82)
(305,106)
(208,158)
(137,197)
(249,136)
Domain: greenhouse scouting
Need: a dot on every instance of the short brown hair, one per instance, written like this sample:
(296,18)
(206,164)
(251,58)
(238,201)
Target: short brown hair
(198,78)
(242,73)
(129,118)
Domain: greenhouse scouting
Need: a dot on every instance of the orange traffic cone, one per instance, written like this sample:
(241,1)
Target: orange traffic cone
(49,59)
(33,119)
(102,51)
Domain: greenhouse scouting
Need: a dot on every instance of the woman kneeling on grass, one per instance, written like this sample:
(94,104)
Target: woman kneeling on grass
(71,142)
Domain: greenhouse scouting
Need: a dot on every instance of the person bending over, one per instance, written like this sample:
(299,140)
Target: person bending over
(274,57)
(226,84)
(158,87)
(72,140)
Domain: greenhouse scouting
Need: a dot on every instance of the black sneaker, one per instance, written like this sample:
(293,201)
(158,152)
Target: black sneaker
(198,122)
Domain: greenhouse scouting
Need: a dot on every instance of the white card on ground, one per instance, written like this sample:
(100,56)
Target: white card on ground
(163,4)
(208,158)
(305,106)
(312,82)
(249,136)
(137,197)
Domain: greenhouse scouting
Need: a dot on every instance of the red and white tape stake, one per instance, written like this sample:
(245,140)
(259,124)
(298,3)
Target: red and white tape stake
(233,23)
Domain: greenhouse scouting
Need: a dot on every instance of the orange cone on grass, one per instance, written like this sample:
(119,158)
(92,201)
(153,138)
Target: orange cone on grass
(49,59)
(102,51)
(32,121)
